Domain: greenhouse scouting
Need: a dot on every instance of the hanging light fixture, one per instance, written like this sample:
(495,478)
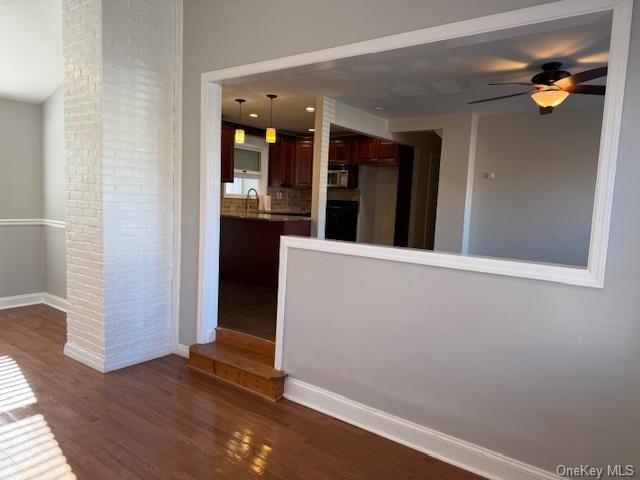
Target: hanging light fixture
(239,137)
(270,136)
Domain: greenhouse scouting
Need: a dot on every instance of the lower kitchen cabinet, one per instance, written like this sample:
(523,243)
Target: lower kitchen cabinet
(250,248)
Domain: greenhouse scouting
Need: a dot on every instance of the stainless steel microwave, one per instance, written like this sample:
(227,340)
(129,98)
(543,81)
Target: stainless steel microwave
(338,178)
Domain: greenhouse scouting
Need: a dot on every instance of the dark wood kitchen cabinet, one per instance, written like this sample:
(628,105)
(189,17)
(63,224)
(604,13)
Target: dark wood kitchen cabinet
(374,151)
(365,149)
(304,162)
(282,162)
(291,162)
(250,248)
(387,152)
(227,153)
(340,151)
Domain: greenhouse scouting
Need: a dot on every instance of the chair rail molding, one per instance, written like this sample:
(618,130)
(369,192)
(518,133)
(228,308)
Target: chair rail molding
(31,222)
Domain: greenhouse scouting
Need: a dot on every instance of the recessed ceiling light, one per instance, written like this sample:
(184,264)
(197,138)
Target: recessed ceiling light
(254,115)
(312,129)
(377,107)
(310,109)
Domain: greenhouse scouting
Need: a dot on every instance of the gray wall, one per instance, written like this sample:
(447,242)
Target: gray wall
(32,258)
(53,192)
(539,205)
(542,372)
(21,269)
(208,26)
(20,160)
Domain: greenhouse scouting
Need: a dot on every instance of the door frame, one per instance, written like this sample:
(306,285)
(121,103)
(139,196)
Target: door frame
(592,276)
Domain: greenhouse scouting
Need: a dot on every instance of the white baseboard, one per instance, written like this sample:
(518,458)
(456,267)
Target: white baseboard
(123,362)
(181,350)
(20,300)
(58,303)
(83,356)
(460,453)
(104,366)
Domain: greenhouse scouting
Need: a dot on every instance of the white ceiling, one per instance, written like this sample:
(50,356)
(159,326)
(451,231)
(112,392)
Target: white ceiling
(30,49)
(437,78)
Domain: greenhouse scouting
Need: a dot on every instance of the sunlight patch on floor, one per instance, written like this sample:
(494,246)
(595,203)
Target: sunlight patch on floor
(15,391)
(28,448)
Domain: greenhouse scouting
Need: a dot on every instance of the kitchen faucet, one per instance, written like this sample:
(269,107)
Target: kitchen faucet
(246,201)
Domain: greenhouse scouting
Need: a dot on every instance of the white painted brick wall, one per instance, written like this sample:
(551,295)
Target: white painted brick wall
(82,48)
(120,177)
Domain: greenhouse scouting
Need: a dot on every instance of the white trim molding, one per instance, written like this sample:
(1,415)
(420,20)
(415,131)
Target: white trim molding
(99,363)
(122,361)
(181,350)
(31,222)
(33,299)
(441,446)
(16,301)
(82,356)
(177,181)
(592,276)
(54,301)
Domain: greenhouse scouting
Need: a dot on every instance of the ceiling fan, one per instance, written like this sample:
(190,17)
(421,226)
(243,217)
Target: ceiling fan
(553,86)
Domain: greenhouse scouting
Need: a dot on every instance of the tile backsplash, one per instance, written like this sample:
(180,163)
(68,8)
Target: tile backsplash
(292,200)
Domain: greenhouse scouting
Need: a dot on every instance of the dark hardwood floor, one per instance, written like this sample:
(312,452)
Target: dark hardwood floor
(59,418)
(248,308)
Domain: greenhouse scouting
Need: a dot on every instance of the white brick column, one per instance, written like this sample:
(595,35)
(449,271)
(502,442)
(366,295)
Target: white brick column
(119,60)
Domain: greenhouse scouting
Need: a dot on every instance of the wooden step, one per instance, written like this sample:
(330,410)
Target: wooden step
(239,366)
(258,345)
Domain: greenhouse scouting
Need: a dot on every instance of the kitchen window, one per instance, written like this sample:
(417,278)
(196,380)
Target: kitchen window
(250,168)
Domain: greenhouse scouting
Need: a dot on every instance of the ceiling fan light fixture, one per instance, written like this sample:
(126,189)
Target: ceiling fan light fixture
(551,97)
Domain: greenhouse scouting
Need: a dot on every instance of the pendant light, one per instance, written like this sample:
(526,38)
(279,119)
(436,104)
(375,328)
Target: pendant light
(270,137)
(239,136)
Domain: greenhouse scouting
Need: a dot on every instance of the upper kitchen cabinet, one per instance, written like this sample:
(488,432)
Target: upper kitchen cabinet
(291,162)
(227,153)
(304,162)
(365,149)
(374,151)
(387,151)
(281,162)
(340,151)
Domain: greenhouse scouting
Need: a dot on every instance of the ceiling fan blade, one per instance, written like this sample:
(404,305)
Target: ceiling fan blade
(586,89)
(499,98)
(511,83)
(581,77)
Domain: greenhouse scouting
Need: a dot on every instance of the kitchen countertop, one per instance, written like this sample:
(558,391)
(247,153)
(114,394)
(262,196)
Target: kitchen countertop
(268,217)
